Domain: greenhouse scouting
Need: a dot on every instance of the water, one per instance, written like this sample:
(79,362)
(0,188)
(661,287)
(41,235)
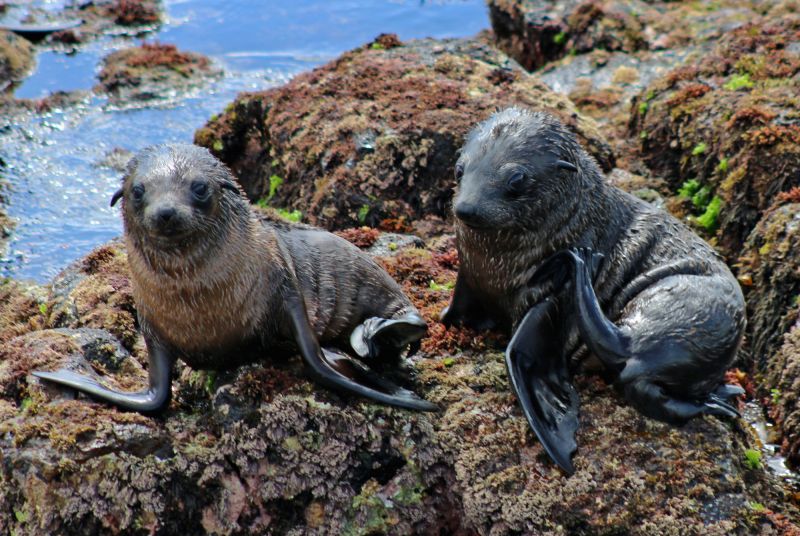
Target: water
(59,193)
(776,463)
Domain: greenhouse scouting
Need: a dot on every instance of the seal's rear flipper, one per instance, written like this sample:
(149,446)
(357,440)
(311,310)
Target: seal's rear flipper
(151,400)
(541,380)
(362,381)
(339,372)
(652,400)
(727,390)
(386,338)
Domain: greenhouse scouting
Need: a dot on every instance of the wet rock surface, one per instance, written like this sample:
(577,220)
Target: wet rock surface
(768,270)
(259,449)
(538,32)
(82,21)
(603,53)
(372,135)
(784,396)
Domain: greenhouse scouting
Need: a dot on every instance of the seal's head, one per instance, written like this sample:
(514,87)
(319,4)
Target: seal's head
(174,198)
(515,167)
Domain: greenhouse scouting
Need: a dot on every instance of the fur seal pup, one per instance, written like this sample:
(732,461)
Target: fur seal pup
(550,249)
(217,287)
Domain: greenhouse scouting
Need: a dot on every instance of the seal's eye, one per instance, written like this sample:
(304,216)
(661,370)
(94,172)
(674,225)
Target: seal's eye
(515,182)
(200,190)
(459,171)
(137,192)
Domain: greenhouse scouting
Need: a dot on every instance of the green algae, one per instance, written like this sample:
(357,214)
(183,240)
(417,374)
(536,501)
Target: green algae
(291,215)
(275,182)
(753,458)
(709,219)
(738,82)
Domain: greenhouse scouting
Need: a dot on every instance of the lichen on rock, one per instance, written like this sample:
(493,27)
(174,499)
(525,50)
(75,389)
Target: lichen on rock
(728,122)
(259,449)
(16,58)
(372,135)
(768,269)
(784,396)
(152,70)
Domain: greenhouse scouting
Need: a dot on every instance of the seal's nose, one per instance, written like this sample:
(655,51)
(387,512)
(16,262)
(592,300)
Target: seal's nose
(166,220)
(166,214)
(468,213)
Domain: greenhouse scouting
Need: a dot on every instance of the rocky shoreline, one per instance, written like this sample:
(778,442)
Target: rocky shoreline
(365,145)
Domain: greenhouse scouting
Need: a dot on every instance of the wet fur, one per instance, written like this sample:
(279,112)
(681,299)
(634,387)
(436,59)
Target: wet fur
(650,257)
(217,295)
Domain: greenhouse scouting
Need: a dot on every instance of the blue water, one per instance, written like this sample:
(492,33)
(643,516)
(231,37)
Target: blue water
(59,194)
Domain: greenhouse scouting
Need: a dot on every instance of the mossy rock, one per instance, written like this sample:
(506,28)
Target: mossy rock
(784,396)
(731,124)
(260,450)
(536,32)
(768,270)
(373,135)
(16,58)
(152,70)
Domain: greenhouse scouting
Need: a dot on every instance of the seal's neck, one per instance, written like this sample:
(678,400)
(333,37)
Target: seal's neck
(205,298)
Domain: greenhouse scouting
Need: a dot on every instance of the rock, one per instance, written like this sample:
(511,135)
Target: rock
(150,71)
(16,58)
(769,270)
(725,131)
(602,85)
(122,17)
(22,308)
(602,53)
(536,32)
(14,109)
(769,273)
(95,292)
(372,136)
(80,22)
(531,32)
(784,380)
(647,189)
(116,159)
(260,450)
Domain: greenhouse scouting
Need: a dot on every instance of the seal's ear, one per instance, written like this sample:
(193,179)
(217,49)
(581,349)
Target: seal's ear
(563,164)
(117,195)
(227,185)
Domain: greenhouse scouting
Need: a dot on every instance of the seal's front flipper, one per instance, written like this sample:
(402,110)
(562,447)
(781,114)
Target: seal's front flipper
(541,380)
(602,336)
(465,309)
(386,338)
(151,400)
(339,372)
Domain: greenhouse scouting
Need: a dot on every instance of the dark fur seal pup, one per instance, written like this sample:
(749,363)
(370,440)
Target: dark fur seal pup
(216,287)
(547,247)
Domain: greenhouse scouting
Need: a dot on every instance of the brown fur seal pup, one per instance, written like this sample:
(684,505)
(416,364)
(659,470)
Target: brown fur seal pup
(216,287)
(547,247)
